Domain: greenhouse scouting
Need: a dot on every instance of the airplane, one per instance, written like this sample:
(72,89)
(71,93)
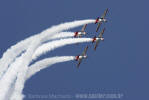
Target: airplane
(80,33)
(98,39)
(82,56)
(101,19)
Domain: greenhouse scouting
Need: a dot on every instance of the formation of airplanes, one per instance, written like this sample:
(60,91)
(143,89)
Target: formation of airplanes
(96,40)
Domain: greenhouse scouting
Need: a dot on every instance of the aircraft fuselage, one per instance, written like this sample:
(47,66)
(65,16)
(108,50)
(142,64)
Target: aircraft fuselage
(81,33)
(102,20)
(80,57)
(99,38)
(78,34)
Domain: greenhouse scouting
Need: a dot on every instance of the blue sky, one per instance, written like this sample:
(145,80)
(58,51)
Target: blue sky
(120,64)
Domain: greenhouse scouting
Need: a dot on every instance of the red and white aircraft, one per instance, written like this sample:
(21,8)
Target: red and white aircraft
(80,33)
(98,39)
(80,57)
(101,19)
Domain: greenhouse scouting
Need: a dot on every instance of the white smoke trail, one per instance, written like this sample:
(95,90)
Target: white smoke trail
(11,73)
(40,65)
(51,46)
(25,59)
(21,46)
(58,43)
(18,85)
(66,27)
(33,69)
(11,53)
(11,90)
(61,35)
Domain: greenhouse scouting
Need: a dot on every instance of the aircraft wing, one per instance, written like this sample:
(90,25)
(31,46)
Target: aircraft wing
(97,43)
(98,26)
(84,52)
(104,14)
(79,62)
(101,33)
(83,28)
